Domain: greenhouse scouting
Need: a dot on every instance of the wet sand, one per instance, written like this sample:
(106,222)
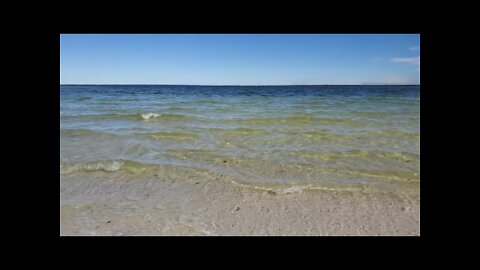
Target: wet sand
(182,202)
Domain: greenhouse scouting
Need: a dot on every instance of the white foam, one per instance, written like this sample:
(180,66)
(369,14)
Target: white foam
(147,116)
(110,166)
(292,189)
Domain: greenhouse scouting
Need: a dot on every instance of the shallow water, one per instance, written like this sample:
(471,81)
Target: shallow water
(325,137)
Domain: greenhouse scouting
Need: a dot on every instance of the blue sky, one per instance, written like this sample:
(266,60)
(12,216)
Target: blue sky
(251,59)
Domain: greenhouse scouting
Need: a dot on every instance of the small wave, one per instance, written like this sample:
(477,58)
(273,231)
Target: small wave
(343,166)
(284,189)
(292,189)
(293,120)
(238,132)
(107,166)
(178,136)
(357,154)
(162,116)
(382,175)
(131,117)
(85,133)
(147,116)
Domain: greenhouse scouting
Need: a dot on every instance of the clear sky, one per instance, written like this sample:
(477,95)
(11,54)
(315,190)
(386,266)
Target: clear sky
(252,59)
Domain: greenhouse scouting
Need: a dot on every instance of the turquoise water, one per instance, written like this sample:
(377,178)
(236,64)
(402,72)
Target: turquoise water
(316,136)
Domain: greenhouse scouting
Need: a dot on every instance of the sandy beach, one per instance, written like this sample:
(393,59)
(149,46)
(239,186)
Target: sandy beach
(187,202)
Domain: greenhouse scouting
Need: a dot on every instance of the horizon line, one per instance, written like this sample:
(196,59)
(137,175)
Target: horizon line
(366,84)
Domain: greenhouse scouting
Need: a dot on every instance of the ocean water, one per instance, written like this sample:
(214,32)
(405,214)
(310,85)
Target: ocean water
(288,137)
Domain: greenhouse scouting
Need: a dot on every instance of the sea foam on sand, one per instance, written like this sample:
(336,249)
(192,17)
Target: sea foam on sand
(108,203)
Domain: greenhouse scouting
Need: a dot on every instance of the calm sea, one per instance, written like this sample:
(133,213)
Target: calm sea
(326,137)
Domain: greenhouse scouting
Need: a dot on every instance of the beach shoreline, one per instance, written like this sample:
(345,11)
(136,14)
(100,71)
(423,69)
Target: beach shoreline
(111,204)
(269,160)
